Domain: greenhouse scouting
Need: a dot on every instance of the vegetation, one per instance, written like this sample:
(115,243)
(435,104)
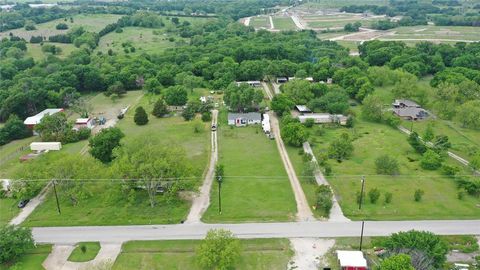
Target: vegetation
(102,144)
(141,117)
(84,252)
(15,241)
(219,250)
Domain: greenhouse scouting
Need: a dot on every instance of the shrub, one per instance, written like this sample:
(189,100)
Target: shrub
(386,165)
(324,199)
(160,108)
(83,248)
(61,26)
(141,117)
(431,160)
(219,250)
(450,170)
(388,197)
(417,196)
(374,195)
(206,116)
(309,123)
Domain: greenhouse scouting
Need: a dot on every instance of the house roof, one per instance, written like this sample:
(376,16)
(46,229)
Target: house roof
(325,116)
(302,108)
(82,120)
(351,258)
(412,112)
(406,102)
(33,120)
(253,116)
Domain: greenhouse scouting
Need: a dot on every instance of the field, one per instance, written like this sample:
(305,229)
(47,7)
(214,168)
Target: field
(340,3)
(260,22)
(35,50)
(32,260)
(433,33)
(8,210)
(336,20)
(10,154)
(91,251)
(90,22)
(255,187)
(284,23)
(439,202)
(180,254)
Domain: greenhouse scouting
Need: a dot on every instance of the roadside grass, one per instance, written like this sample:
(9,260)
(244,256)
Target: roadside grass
(255,186)
(180,254)
(90,22)
(324,36)
(439,202)
(284,23)
(91,251)
(8,209)
(31,260)
(260,21)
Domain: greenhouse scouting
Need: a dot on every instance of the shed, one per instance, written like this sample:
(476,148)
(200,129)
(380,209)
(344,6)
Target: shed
(244,119)
(34,120)
(282,79)
(324,118)
(251,83)
(84,123)
(351,260)
(45,146)
(302,109)
(405,103)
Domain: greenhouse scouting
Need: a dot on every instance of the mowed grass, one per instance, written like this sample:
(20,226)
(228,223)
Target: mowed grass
(90,22)
(256,254)
(255,186)
(333,23)
(91,251)
(284,23)
(8,210)
(10,154)
(31,260)
(260,22)
(439,202)
(338,4)
(435,32)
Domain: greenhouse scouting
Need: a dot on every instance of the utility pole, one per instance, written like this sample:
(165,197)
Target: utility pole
(219,176)
(361,235)
(56,197)
(361,193)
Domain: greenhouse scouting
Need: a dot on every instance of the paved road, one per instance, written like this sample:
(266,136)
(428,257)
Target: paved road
(117,234)
(201,202)
(297,22)
(271,22)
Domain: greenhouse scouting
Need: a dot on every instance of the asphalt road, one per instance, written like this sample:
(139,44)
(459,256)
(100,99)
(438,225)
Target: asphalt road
(115,234)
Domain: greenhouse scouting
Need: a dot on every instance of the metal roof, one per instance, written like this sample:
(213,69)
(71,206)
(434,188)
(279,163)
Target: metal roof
(254,116)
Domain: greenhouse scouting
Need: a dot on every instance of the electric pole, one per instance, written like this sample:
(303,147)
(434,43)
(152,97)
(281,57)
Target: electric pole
(361,194)
(56,197)
(361,236)
(219,177)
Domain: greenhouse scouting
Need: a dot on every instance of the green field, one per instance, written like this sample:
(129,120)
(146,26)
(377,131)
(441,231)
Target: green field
(439,202)
(255,187)
(435,32)
(260,21)
(35,50)
(8,209)
(32,260)
(180,254)
(284,23)
(91,251)
(339,3)
(333,23)
(90,22)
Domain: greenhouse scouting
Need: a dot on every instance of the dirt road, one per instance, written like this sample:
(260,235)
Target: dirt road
(202,200)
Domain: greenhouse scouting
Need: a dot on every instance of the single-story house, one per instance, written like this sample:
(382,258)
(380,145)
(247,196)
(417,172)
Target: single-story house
(411,113)
(351,260)
(324,118)
(251,83)
(84,123)
(405,103)
(282,79)
(244,119)
(45,146)
(266,123)
(302,109)
(31,121)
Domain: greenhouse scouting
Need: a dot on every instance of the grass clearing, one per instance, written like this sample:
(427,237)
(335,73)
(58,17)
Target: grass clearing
(32,259)
(35,50)
(260,22)
(434,32)
(284,23)
(439,202)
(253,169)
(180,254)
(8,209)
(84,252)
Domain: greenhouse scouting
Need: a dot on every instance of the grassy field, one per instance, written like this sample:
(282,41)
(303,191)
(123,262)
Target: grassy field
(32,260)
(90,22)
(339,3)
(180,254)
(260,21)
(435,32)
(35,50)
(8,209)
(440,199)
(91,251)
(284,23)
(253,169)
(338,23)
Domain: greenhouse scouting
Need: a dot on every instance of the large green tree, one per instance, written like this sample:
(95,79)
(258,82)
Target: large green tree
(102,145)
(176,95)
(14,241)
(243,97)
(294,133)
(219,251)
(341,148)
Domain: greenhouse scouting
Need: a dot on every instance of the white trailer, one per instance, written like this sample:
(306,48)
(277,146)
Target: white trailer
(45,146)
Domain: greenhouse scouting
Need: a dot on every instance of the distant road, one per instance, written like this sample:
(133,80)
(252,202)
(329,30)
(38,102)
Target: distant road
(115,234)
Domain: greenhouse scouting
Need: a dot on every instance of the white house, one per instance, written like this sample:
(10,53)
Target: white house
(251,83)
(34,120)
(266,123)
(84,123)
(244,119)
(45,146)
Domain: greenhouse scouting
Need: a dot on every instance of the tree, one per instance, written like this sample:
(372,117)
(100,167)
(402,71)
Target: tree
(242,97)
(176,95)
(341,148)
(220,250)
(116,89)
(149,163)
(469,114)
(426,242)
(141,117)
(417,196)
(160,108)
(14,241)
(431,160)
(206,116)
(397,262)
(429,135)
(374,195)
(294,133)
(14,129)
(441,143)
(386,164)
(300,91)
(153,86)
(61,26)
(372,108)
(282,104)
(416,143)
(189,113)
(324,199)
(53,127)
(102,145)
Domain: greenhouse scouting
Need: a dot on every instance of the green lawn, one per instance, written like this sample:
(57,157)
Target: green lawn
(440,199)
(32,260)
(91,251)
(260,21)
(255,187)
(10,154)
(8,209)
(284,23)
(35,50)
(180,254)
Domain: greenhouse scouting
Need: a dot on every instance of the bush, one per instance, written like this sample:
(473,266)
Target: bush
(309,123)
(450,170)
(14,241)
(374,195)
(417,196)
(61,26)
(219,250)
(388,197)
(83,248)
(430,160)
(206,116)
(386,165)
(324,200)
(102,145)
(141,117)
(160,108)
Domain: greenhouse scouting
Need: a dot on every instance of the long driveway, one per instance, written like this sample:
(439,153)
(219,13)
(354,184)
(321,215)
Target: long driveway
(116,234)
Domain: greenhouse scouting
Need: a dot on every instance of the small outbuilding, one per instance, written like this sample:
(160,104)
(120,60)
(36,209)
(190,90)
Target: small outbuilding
(302,109)
(324,118)
(45,146)
(31,121)
(244,119)
(84,123)
(266,124)
(351,260)
(250,83)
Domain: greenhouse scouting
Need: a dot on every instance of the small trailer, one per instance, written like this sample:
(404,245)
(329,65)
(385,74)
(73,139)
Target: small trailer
(45,146)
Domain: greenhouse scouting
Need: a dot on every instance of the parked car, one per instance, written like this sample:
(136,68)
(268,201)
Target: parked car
(23,203)
(214,127)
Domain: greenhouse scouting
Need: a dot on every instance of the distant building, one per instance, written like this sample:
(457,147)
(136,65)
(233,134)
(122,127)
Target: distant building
(6,8)
(45,146)
(324,118)
(351,260)
(409,110)
(266,124)
(31,121)
(282,79)
(244,119)
(302,109)
(84,123)
(250,83)
(42,5)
